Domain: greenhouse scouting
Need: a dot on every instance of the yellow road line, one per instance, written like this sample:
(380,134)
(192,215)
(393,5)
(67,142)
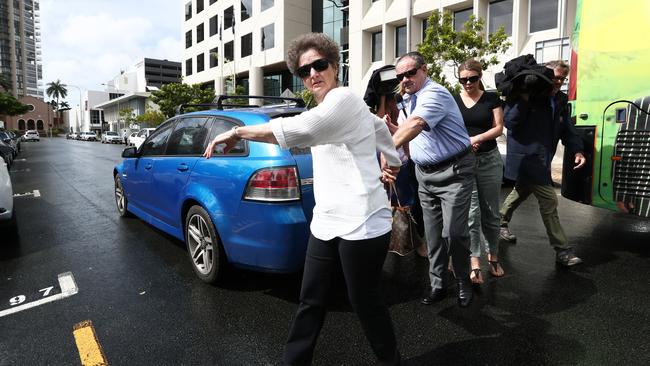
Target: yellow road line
(90,351)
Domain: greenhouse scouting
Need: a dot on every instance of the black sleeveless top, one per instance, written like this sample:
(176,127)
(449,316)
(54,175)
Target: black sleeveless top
(479,117)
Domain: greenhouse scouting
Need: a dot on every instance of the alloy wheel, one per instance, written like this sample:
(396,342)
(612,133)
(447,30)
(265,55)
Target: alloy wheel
(200,244)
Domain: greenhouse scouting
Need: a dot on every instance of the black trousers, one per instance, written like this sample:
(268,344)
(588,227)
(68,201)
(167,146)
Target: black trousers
(361,262)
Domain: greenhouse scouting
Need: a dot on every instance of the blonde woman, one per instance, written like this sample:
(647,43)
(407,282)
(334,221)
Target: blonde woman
(483,116)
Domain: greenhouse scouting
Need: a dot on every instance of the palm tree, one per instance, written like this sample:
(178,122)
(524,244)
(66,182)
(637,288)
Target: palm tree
(58,91)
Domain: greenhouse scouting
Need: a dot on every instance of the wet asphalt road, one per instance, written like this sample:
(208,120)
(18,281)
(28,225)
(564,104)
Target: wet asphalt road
(138,289)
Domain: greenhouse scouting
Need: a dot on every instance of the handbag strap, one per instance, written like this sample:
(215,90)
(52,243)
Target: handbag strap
(393,190)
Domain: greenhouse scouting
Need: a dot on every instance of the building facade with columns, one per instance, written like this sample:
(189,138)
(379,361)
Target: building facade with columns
(372,33)
(242,42)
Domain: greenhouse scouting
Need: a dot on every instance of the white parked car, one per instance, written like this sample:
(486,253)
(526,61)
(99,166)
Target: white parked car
(88,136)
(111,137)
(6,197)
(31,135)
(142,135)
(128,141)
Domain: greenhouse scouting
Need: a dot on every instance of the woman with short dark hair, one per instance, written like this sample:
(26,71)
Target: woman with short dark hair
(351,225)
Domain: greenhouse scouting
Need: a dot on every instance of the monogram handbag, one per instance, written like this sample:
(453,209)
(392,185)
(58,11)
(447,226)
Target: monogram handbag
(404,236)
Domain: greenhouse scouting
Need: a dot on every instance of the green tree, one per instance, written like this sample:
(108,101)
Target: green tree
(307,97)
(11,106)
(151,117)
(172,95)
(5,83)
(64,106)
(57,90)
(443,45)
(125,115)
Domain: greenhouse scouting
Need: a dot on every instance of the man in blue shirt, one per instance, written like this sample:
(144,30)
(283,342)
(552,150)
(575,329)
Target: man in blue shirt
(439,146)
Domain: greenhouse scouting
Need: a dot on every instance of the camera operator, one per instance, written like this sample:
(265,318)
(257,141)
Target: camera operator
(536,116)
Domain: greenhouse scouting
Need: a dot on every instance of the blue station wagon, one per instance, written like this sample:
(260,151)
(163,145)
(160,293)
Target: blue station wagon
(250,207)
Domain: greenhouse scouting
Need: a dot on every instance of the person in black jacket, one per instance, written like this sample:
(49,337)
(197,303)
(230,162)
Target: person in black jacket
(535,123)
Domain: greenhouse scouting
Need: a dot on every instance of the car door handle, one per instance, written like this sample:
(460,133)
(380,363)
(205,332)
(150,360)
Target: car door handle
(182,167)
(148,166)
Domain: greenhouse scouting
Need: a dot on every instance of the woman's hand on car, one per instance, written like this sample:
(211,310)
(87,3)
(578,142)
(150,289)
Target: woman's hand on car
(229,138)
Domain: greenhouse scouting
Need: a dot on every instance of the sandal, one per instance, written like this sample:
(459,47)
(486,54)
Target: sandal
(475,276)
(495,269)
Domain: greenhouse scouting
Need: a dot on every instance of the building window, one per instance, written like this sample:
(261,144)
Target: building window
(246,9)
(188,11)
(266,4)
(500,14)
(268,37)
(188,39)
(212,1)
(199,6)
(228,17)
(200,62)
(376,46)
(400,41)
(200,33)
(214,25)
(247,45)
(425,25)
(188,67)
(543,15)
(214,57)
(552,49)
(460,17)
(228,52)
(273,85)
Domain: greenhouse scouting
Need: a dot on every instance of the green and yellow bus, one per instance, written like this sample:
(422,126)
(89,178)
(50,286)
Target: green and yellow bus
(610,89)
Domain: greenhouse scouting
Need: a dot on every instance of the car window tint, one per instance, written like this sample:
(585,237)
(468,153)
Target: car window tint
(142,133)
(220,126)
(156,143)
(188,137)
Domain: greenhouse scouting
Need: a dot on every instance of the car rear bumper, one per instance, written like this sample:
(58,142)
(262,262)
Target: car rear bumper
(267,237)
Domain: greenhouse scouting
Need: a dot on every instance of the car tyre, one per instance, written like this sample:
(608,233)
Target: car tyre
(120,198)
(203,246)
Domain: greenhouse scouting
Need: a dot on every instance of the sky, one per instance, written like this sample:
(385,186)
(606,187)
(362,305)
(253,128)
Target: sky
(87,42)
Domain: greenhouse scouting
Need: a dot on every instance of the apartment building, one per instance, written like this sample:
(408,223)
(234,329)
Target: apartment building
(242,42)
(129,89)
(384,29)
(20,47)
(229,39)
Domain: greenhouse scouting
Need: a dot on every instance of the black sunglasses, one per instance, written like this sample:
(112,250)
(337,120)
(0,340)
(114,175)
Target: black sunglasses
(471,79)
(409,73)
(318,65)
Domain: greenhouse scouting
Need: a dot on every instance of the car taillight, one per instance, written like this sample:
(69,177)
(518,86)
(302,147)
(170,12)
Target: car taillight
(273,185)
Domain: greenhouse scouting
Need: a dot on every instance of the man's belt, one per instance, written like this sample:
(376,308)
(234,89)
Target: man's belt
(445,163)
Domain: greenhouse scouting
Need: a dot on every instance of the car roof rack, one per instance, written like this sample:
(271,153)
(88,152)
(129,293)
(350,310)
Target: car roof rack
(220,105)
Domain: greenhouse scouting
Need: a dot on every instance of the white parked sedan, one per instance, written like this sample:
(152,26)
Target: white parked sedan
(31,135)
(6,197)
(111,137)
(129,137)
(138,139)
(88,136)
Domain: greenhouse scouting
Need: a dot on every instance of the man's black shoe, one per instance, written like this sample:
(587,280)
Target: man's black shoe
(433,296)
(465,293)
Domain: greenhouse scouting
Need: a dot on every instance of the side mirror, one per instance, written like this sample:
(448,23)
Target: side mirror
(130,152)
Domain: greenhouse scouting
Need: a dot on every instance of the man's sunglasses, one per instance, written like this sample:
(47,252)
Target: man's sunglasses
(471,79)
(318,65)
(409,73)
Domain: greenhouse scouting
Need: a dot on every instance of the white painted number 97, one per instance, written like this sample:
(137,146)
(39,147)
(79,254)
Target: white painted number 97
(17,300)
